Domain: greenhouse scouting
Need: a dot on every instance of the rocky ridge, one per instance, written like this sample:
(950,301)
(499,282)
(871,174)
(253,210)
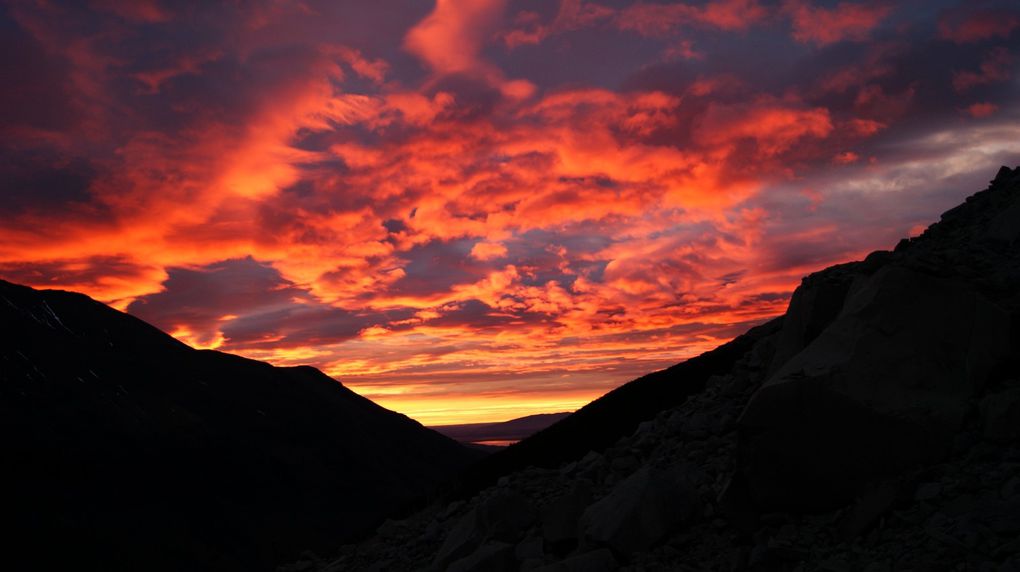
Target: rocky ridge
(873,427)
(125,449)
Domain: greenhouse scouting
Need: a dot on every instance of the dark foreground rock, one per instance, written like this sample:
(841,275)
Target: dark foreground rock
(124,449)
(874,428)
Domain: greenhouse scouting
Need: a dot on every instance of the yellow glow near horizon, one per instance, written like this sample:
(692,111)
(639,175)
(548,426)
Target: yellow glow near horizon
(445,410)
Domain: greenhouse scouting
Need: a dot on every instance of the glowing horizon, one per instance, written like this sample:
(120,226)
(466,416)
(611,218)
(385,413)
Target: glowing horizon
(476,210)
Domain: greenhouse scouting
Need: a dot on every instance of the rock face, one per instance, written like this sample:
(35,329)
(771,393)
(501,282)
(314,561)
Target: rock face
(127,450)
(873,427)
(641,510)
(883,388)
(891,377)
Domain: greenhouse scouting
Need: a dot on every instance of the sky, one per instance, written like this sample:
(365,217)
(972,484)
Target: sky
(473,210)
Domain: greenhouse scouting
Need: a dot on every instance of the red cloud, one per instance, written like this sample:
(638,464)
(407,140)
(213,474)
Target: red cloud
(774,128)
(983,109)
(964,26)
(572,15)
(821,26)
(846,158)
(662,19)
(137,10)
(995,67)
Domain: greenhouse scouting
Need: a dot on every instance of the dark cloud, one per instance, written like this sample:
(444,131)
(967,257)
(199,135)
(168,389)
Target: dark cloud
(251,305)
(41,180)
(436,267)
(199,298)
(37,93)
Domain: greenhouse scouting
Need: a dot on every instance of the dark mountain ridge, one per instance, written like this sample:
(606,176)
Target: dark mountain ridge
(126,449)
(872,427)
(510,430)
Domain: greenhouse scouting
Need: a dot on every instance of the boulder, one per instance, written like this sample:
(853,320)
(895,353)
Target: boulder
(600,560)
(492,556)
(505,515)
(641,510)
(1000,415)
(530,549)
(881,389)
(813,306)
(1005,227)
(560,518)
(869,507)
(462,540)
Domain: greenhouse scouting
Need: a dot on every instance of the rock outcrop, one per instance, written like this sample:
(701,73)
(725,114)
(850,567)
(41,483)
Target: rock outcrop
(873,427)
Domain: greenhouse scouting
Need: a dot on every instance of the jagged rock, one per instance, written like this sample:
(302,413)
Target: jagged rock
(927,491)
(503,516)
(600,560)
(735,504)
(452,509)
(461,541)
(1005,227)
(1011,489)
(1000,415)
(381,566)
(530,548)
(560,518)
(531,564)
(881,389)
(641,510)
(868,508)
(492,556)
(506,515)
(624,463)
(813,306)
(390,528)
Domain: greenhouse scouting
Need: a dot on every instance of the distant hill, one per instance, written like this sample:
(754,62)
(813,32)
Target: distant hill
(125,449)
(512,430)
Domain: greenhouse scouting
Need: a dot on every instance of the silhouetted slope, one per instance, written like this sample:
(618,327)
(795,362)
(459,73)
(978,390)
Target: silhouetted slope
(880,362)
(873,427)
(512,430)
(600,423)
(125,449)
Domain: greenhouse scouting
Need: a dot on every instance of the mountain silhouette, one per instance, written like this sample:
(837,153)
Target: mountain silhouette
(125,449)
(874,427)
(510,430)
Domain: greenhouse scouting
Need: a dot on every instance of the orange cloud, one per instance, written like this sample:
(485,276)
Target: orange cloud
(772,126)
(450,38)
(488,250)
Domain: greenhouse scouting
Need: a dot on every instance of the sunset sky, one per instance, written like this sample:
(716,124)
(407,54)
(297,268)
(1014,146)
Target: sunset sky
(473,210)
